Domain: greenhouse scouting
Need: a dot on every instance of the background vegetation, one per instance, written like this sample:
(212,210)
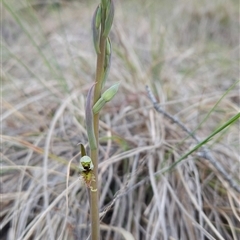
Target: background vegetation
(188,52)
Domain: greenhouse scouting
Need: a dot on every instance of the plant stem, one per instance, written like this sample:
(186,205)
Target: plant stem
(94,153)
(95,232)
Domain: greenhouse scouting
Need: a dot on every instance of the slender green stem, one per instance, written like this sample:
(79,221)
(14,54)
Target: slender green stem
(94,153)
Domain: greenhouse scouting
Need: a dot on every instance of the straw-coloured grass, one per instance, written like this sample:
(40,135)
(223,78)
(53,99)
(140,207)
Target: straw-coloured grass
(187,53)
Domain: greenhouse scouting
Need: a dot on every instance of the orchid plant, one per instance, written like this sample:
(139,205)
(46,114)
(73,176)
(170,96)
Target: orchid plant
(95,101)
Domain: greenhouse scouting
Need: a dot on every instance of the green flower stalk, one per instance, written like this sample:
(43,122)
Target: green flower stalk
(101,25)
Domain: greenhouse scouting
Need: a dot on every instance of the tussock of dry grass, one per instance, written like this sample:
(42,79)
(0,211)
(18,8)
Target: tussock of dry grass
(188,54)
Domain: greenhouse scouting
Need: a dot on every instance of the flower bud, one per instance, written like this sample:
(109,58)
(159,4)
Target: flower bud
(106,97)
(110,93)
(98,105)
(98,17)
(104,3)
(109,18)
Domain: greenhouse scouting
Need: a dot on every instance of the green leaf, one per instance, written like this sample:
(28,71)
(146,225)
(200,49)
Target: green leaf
(227,124)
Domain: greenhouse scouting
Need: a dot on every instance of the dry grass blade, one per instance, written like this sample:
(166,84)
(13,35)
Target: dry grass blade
(206,153)
(187,53)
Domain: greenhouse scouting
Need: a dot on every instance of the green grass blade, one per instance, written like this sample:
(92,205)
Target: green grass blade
(18,20)
(227,124)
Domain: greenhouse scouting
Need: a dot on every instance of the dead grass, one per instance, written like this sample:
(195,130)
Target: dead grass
(188,53)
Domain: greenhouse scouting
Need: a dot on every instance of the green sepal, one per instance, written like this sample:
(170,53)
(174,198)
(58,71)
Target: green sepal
(83,151)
